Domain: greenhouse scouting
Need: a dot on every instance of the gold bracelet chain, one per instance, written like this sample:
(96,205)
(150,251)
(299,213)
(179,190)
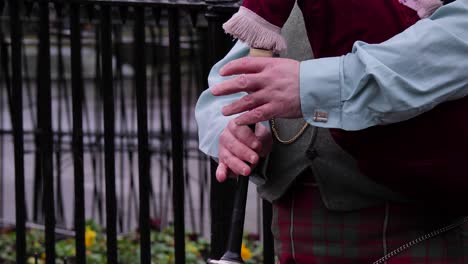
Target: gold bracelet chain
(293,139)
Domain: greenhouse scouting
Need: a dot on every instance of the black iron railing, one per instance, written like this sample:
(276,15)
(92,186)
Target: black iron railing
(117,110)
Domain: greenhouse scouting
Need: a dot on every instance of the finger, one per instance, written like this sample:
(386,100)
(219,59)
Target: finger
(238,149)
(246,136)
(245,65)
(264,135)
(233,163)
(241,83)
(262,113)
(246,103)
(260,130)
(221,172)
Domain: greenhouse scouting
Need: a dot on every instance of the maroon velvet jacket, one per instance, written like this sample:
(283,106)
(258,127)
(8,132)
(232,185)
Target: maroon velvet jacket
(425,157)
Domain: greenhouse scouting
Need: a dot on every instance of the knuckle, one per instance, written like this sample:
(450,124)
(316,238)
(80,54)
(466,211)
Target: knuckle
(264,77)
(227,160)
(230,145)
(242,81)
(269,65)
(231,126)
(268,110)
(257,113)
(222,157)
(243,134)
(248,100)
(245,61)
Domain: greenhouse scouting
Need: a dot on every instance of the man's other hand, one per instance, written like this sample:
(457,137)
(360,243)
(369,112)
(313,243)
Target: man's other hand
(240,149)
(272,85)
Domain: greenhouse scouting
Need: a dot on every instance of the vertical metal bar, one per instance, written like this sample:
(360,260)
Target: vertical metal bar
(109,133)
(268,244)
(38,209)
(27,77)
(5,60)
(38,213)
(151,110)
(165,176)
(200,84)
(187,121)
(122,120)
(143,141)
(61,88)
(45,130)
(157,85)
(77,97)
(3,50)
(152,84)
(16,36)
(133,196)
(2,146)
(132,202)
(203,185)
(177,137)
(96,156)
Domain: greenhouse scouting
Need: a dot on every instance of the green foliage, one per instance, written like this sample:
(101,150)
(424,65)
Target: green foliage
(162,247)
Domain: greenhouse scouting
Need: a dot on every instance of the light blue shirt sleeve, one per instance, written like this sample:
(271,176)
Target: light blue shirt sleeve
(211,122)
(374,84)
(393,81)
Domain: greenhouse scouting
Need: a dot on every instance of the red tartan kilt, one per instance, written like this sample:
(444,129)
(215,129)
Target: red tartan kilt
(306,232)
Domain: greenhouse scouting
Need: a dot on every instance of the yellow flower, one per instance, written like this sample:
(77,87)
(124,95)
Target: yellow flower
(90,237)
(193,249)
(245,252)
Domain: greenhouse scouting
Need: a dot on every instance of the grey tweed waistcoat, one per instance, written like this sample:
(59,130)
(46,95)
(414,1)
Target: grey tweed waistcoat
(341,184)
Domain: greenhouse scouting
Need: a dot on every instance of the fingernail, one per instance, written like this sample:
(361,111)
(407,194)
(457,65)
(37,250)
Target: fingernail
(253,159)
(219,177)
(224,111)
(244,172)
(254,145)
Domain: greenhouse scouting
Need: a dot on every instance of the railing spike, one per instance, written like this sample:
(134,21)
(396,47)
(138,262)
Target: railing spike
(194,18)
(90,12)
(58,9)
(123,10)
(29,7)
(157,16)
(2,5)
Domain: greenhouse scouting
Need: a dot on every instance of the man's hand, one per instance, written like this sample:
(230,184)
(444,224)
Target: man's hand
(240,148)
(272,85)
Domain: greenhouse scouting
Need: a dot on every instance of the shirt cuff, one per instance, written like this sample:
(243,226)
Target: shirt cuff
(320,92)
